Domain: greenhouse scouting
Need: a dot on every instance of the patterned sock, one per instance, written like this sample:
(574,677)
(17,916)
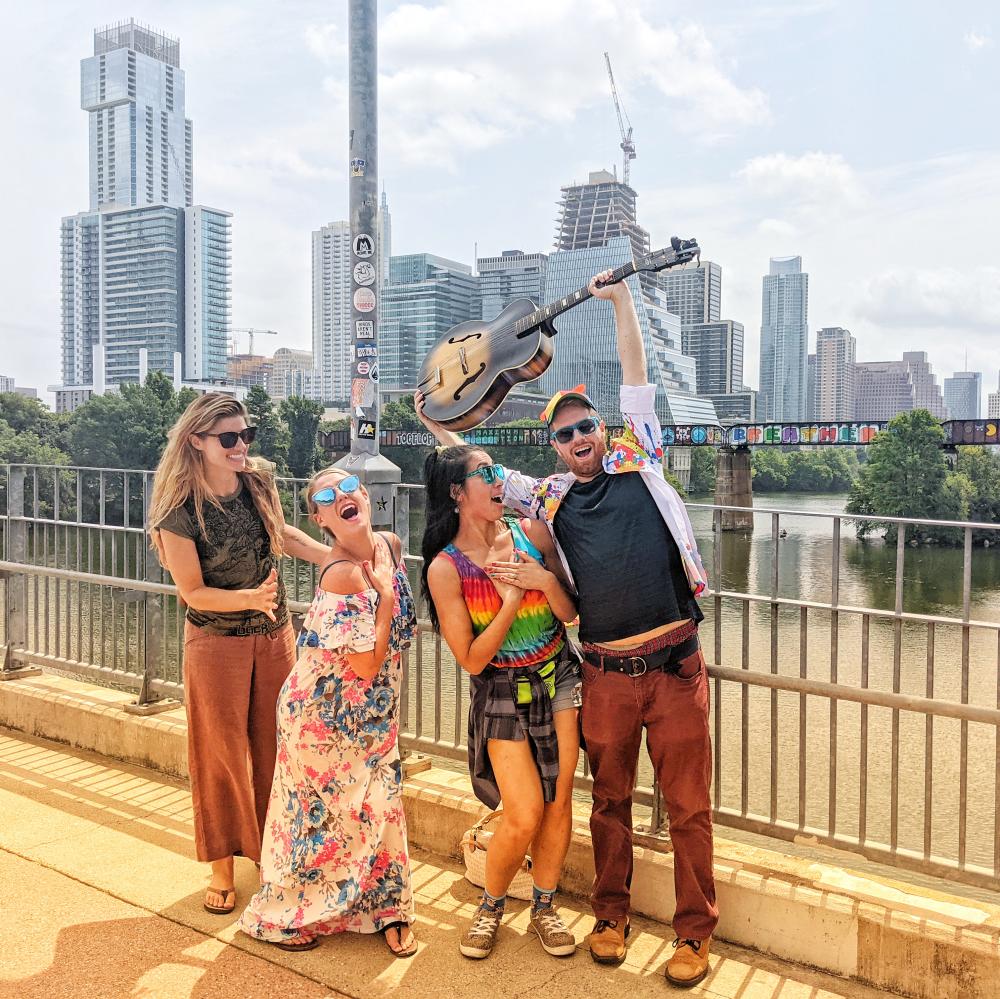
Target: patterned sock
(493,904)
(541,898)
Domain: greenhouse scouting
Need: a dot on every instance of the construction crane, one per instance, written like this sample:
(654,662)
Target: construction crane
(251,333)
(624,125)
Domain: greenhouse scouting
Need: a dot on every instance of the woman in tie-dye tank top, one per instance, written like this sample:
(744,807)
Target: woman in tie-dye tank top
(496,593)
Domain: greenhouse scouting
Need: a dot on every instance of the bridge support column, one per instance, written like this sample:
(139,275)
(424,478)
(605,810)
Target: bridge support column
(733,487)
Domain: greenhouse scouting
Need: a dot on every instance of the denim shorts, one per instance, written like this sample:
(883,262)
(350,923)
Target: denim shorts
(567,685)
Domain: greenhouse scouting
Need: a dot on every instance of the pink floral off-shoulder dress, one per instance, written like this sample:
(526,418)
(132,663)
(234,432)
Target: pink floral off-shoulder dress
(335,856)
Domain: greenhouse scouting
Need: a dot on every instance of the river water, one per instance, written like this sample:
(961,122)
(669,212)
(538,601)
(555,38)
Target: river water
(932,586)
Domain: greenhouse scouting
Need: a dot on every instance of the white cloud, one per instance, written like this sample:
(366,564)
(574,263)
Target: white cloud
(976,41)
(934,298)
(814,178)
(456,78)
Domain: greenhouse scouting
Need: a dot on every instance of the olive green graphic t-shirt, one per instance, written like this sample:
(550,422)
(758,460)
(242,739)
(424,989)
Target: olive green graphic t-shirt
(235,554)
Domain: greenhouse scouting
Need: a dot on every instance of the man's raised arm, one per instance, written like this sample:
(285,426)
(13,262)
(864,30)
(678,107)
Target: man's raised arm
(631,352)
(445,436)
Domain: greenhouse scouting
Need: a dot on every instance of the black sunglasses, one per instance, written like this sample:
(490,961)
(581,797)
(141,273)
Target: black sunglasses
(565,434)
(228,438)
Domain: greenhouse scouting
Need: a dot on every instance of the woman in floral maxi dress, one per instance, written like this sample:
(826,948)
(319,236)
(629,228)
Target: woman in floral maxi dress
(335,854)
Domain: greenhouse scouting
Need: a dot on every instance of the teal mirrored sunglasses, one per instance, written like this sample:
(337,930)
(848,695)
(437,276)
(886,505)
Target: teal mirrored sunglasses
(489,474)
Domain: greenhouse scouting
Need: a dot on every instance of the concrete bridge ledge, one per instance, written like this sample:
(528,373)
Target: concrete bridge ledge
(885,933)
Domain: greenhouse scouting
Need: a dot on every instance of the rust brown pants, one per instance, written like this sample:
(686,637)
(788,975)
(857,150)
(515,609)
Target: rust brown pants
(231,686)
(674,713)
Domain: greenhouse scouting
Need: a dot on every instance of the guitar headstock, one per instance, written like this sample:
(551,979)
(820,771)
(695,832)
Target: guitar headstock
(680,251)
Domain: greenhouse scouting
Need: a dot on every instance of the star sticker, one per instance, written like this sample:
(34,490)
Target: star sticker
(382,503)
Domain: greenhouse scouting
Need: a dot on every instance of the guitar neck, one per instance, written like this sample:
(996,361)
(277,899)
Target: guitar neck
(561,305)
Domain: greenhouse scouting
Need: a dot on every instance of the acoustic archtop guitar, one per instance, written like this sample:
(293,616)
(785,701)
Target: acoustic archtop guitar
(467,374)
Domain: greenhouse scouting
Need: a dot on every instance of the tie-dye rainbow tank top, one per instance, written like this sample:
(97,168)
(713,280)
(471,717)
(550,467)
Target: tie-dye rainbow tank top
(536,634)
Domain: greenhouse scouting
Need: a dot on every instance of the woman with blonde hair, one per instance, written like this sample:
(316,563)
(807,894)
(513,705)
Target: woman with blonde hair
(216,522)
(335,857)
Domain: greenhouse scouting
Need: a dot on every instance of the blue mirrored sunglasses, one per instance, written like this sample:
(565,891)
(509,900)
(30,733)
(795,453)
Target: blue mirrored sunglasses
(329,495)
(489,473)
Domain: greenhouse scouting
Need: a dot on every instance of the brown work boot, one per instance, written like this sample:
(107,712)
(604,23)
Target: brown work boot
(689,965)
(607,940)
(552,933)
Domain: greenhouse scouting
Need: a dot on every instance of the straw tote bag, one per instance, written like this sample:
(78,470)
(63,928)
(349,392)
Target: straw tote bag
(476,842)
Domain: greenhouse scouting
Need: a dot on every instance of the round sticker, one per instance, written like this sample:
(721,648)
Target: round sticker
(364,246)
(364,300)
(364,273)
(363,367)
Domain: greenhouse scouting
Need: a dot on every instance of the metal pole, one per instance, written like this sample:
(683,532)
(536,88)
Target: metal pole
(378,474)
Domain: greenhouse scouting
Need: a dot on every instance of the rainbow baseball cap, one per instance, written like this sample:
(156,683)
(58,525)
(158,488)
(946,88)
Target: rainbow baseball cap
(578,394)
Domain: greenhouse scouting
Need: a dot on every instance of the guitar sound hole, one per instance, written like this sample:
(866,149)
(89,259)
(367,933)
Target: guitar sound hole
(462,339)
(469,381)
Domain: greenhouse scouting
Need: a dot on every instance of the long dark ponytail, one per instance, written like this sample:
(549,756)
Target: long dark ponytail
(444,468)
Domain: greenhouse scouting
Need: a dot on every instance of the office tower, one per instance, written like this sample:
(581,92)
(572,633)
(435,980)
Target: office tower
(595,212)
(512,275)
(384,240)
(809,413)
(963,395)
(884,388)
(586,344)
(146,274)
(835,366)
(784,342)
(292,373)
(132,88)
(332,336)
(694,293)
(993,404)
(248,370)
(926,391)
(717,347)
(426,296)
(6,384)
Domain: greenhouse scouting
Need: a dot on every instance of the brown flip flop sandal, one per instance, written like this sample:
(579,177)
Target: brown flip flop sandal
(307,943)
(403,952)
(220,910)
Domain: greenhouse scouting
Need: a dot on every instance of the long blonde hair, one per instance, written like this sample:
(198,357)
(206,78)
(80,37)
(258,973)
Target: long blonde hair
(180,474)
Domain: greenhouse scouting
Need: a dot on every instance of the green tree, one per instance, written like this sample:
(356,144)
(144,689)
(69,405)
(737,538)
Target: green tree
(702,471)
(769,468)
(125,429)
(27,448)
(981,467)
(272,439)
(907,475)
(27,415)
(302,417)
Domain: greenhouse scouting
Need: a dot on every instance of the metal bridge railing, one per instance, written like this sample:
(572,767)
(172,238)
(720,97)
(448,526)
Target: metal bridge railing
(874,729)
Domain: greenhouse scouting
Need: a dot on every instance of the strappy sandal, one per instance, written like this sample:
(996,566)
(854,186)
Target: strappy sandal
(220,910)
(403,952)
(295,944)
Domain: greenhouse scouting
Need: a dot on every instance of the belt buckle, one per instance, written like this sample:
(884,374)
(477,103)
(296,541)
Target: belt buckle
(633,672)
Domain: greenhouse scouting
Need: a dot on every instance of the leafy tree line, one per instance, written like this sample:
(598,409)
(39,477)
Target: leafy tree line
(128,428)
(908,475)
(775,471)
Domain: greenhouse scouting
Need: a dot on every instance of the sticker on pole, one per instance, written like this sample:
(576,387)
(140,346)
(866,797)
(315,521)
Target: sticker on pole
(364,273)
(357,167)
(373,374)
(364,329)
(364,246)
(363,351)
(364,300)
(362,395)
(363,367)
(366,430)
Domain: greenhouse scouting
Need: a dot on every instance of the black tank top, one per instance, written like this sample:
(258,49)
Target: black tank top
(625,562)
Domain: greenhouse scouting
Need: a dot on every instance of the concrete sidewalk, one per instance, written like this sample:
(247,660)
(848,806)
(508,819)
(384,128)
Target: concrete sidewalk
(101,897)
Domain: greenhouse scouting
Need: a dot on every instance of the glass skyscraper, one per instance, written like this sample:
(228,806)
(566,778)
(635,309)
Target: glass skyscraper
(146,274)
(426,296)
(512,275)
(586,347)
(784,342)
(963,395)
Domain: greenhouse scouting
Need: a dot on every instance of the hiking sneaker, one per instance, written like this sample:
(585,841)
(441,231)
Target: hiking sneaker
(479,938)
(552,933)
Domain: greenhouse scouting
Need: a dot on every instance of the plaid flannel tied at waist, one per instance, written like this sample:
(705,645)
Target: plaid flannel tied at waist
(495,714)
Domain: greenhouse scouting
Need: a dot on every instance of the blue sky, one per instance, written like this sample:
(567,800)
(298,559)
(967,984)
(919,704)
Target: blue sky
(863,136)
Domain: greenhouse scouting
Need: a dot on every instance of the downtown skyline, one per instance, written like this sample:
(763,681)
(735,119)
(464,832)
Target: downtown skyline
(878,220)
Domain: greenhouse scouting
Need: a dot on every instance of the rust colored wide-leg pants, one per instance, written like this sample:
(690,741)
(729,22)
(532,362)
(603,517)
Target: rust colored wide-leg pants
(231,686)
